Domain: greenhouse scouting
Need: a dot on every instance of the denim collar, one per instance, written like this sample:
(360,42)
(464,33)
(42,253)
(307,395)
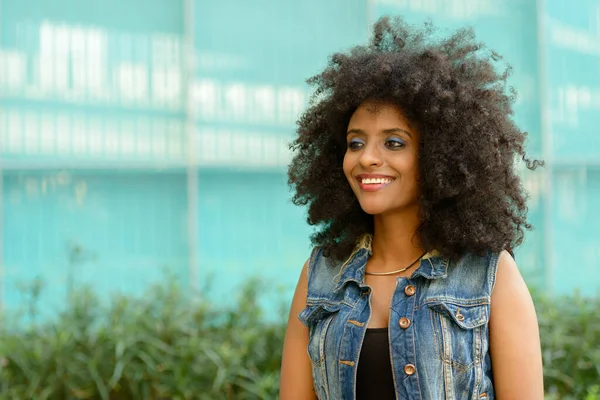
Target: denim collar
(432,266)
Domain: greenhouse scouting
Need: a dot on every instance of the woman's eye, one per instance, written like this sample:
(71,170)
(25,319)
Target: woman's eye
(394,143)
(355,144)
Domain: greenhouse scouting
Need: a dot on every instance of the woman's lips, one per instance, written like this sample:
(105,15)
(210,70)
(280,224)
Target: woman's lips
(373,183)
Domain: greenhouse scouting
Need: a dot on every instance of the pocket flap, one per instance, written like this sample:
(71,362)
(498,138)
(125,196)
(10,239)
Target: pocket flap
(316,312)
(465,316)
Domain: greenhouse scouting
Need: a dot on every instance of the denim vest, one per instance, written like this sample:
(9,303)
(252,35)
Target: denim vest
(438,326)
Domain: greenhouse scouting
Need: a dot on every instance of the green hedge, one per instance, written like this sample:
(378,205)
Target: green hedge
(156,347)
(570,334)
(161,346)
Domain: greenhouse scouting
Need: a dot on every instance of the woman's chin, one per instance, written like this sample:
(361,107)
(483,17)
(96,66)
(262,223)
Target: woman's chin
(374,209)
(378,208)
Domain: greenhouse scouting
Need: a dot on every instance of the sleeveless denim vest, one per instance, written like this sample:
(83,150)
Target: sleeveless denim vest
(438,326)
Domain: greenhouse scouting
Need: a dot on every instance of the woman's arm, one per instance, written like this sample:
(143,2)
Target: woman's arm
(514,336)
(296,373)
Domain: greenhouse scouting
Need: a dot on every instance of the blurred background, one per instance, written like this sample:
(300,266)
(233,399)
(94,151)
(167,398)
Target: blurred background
(138,135)
(146,138)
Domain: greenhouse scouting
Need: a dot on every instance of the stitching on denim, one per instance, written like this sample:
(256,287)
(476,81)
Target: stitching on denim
(322,351)
(432,266)
(312,262)
(474,323)
(461,367)
(355,322)
(449,360)
(434,329)
(478,360)
(315,371)
(344,334)
(342,341)
(413,333)
(446,263)
(492,271)
(318,301)
(336,278)
(447,344)
(391,351)
(480,301)
(365,243)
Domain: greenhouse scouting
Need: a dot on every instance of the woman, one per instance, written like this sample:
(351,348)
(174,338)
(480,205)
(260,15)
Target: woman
(405,159)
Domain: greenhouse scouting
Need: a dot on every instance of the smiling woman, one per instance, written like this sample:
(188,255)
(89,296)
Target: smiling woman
(405,160)
(382,154)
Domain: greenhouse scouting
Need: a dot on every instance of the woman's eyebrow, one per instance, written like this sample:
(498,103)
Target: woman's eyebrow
(387,131)
(358,131)
(397,130)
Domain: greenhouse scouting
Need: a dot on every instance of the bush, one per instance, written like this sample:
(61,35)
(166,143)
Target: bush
(570,335)
(157,347)
(162,346)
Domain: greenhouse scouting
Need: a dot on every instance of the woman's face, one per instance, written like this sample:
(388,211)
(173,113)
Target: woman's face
(381,161)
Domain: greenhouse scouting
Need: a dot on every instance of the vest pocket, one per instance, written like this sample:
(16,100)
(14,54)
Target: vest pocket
(318,317)
(458,332)
(313,313)
(465,316)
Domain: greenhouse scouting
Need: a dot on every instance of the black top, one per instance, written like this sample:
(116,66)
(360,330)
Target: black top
(374,378)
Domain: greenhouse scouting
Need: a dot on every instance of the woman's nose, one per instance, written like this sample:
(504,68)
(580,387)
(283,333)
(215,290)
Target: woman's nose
(371,157)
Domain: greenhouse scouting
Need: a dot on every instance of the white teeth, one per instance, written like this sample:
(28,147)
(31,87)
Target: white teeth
(374,181)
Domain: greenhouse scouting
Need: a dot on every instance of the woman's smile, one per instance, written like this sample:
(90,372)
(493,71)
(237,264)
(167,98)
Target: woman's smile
(373,182)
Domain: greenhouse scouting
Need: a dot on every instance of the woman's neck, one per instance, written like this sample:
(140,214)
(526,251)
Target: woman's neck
(394,240)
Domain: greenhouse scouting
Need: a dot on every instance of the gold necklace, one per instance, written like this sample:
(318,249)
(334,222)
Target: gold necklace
(396,271)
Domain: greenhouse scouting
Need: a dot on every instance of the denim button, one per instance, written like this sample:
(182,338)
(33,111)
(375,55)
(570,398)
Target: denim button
(409,369)
(404,322)
(410,290)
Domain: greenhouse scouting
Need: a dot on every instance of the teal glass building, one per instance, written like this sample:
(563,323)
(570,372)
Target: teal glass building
(138,136)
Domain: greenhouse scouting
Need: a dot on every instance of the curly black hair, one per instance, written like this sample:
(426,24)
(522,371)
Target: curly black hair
(471,197)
